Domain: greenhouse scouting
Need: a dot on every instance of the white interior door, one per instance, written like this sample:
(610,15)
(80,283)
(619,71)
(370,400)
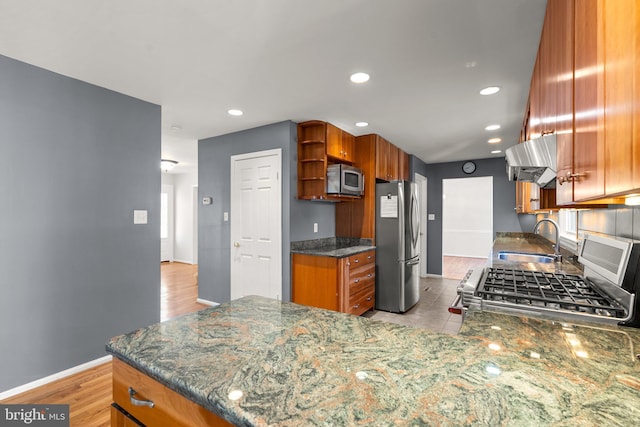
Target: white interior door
(421,181)
(256,224)
(467,217)
(166,223)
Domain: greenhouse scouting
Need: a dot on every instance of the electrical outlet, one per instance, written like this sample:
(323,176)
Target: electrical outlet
(315,227)
(226,216)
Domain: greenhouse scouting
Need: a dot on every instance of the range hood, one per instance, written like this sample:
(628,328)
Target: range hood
(533,161)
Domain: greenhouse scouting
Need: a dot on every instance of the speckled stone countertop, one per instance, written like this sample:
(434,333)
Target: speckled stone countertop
(335,247)
(531,243)
(299,366)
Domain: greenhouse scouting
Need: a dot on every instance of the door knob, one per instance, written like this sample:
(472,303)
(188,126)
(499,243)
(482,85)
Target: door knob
(236,244)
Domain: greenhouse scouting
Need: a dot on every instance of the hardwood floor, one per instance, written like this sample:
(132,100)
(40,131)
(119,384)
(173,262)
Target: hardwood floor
(179,289)
(88,393)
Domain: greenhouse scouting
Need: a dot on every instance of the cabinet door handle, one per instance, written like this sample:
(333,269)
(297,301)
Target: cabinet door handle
(138,402)
(356,281)
(369,299)
(356,260)
(369,275)
(356,306)
(369,257)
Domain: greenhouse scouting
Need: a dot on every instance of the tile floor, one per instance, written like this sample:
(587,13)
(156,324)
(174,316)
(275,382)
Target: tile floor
(436,294)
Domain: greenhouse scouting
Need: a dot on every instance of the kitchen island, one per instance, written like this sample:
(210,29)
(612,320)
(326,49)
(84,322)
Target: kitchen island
(257,361)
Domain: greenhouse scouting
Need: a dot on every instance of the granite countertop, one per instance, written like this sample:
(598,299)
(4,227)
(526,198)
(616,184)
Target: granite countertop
(531,243)
(298,365)
(335,247)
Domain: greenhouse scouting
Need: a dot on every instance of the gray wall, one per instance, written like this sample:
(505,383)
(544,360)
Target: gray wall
(75,270)
(504,201)
(298,216)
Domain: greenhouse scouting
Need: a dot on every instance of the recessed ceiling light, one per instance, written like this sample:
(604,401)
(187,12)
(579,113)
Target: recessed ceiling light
(359,77)
(470,64)
(490,90)
(494,140)
(176,128)
(496,151)
(235,112)
(362,124)
(492,127)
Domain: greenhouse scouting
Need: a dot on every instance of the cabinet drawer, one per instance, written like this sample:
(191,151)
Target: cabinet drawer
(362,278)
(170,408)
(362,301)
(362,258)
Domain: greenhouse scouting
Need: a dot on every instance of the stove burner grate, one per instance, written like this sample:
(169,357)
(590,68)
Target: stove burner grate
(549,290)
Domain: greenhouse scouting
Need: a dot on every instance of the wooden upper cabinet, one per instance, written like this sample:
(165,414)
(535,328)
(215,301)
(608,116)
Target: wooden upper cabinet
(621,100)
(403,165)
(382,158)
(563,48)
(340,144)
(547,76)
(392,163)
(334,141)
(348,147)
(321,143)
(394,159)
(356,218)
(588,150)
(585,89)
(535,108)
(523,195)
(312,160)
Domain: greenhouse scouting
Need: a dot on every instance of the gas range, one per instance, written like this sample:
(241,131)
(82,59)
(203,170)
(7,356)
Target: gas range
(605,294)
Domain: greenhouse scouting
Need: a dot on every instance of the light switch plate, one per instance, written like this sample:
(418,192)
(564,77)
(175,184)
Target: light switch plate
(207,200)
(431,217)
(225,216)
(140,216)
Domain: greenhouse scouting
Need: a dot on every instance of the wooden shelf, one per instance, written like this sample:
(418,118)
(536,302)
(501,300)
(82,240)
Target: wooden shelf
(313,178)
(312,141)
(312,160)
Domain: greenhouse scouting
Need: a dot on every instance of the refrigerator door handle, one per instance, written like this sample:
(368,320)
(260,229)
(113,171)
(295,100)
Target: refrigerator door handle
(413,261)
(413,221)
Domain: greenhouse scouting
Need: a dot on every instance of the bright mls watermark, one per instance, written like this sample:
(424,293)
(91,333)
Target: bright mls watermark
(34,415)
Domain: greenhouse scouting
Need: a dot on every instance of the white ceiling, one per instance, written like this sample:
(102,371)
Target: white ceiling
(291,59)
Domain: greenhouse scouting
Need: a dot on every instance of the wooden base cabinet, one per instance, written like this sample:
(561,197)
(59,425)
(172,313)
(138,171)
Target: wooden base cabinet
(169,409)
(340,284)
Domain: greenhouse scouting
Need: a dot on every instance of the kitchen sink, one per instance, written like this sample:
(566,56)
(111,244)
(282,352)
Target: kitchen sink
(525,257)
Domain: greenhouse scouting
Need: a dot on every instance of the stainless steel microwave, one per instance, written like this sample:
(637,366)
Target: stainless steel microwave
(345,180)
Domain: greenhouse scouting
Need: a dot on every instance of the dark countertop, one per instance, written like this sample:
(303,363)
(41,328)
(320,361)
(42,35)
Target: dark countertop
(298,365)
(335,247)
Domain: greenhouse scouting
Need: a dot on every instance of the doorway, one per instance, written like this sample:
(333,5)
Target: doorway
(421,182)
(256,224)
(166,223)
(467,220)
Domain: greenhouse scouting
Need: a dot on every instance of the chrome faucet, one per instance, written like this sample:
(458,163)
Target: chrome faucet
(556,247)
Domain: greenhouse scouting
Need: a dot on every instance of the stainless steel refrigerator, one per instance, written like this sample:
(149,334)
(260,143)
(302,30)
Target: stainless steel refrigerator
(397,250)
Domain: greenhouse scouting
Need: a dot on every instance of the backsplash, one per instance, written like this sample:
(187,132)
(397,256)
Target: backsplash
(617,220)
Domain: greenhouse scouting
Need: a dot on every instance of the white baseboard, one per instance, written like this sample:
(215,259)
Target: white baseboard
(434,275)
(182,261)
(207,302)
(54,377)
